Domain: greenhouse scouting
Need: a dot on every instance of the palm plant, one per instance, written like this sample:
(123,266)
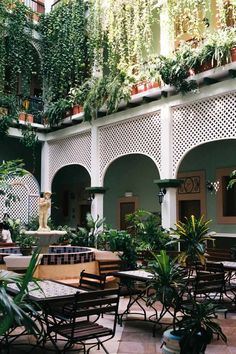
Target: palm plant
(197,327)
(192,235)
(167,280)
(18,311)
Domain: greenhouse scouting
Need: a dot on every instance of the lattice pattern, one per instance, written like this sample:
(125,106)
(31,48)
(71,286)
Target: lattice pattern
(25,188)
(140,135)
(202,121)
(74,150)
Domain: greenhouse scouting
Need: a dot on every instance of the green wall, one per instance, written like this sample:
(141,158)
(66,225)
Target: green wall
(11,149)
(69,194)
(209,157)
(131,173)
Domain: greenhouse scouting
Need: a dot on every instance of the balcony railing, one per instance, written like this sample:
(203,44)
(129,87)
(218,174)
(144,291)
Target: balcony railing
(35,5)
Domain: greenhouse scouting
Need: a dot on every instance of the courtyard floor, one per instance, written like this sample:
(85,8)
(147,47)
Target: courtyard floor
(135,336)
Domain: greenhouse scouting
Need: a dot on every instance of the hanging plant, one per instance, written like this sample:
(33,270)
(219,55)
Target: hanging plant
(188,17)
(226,12)
(125,26)
(65,48)
(30,140)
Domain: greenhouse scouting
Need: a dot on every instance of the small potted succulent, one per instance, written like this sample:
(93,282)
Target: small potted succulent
(26,243)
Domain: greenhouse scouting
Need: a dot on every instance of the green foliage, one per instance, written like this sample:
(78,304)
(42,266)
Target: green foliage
(5,123)
(10,170)
(232,179)
(14,227)
(18,311)
(167,280)
(57,111)
(198,326)
(147,230)
(192,235)
(74,237)
(33,224)
(18,54)
(25,240)
(120,241)
(65,48)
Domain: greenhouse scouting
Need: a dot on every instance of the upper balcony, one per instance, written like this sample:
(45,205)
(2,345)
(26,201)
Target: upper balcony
(35,5)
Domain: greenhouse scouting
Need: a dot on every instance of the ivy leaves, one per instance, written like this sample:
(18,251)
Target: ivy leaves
(65,48)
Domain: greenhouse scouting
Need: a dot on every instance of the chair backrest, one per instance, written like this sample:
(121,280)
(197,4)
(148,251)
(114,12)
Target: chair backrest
(89,281)
(95,303)
(211,267)
(107,267)
(220,254)
(209,283)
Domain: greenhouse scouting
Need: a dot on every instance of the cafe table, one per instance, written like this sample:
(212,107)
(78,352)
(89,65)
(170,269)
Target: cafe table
(136,282)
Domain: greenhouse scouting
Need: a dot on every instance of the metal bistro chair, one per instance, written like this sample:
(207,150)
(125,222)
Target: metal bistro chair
(81,326)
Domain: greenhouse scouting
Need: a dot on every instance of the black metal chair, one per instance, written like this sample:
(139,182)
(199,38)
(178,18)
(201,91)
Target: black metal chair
(81,327)
(92,282)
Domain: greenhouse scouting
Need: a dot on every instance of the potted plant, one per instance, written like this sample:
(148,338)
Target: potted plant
(26,243)
(197,327)
(192,235)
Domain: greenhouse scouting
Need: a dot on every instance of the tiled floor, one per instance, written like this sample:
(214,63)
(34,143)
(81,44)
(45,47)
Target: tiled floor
(135,337)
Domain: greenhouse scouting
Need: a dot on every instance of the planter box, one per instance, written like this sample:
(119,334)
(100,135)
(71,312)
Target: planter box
(143,86)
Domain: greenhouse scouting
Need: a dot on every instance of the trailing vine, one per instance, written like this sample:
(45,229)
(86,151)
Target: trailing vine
(126,28)
(30,140)
(18,52)
(65,49)
(189,17)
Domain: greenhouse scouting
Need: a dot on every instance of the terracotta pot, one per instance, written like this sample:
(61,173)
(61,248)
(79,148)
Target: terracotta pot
(155,84)
(29,118)
(142,86)
(134,90)
(22,116)
(76,109)
(233,54)
(26,251)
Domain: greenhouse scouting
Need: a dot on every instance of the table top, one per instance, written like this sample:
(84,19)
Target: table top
(138,274)
(229,265)
(47,290)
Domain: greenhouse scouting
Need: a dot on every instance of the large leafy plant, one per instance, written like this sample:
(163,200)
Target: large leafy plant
(192,236)
(122,242)
(18,311)
(197,327)
(167,280)
(147,229)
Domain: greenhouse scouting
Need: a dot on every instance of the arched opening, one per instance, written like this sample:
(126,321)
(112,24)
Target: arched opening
(205,173)
(70,200)
(129,183)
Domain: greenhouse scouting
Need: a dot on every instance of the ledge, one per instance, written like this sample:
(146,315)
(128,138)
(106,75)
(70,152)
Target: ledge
(168,183)
(96,190)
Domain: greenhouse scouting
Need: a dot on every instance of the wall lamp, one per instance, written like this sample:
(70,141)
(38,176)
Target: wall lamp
(92,191)
(161,195)
(213,186)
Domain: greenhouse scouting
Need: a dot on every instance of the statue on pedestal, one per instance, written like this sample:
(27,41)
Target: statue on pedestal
(44,206)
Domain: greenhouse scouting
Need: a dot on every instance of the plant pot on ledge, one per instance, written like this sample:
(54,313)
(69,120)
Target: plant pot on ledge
(26,117)
(233,54)
(26,251)
(77,109)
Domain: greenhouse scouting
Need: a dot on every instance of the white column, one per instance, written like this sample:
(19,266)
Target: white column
(168,207)
(166,32)
(45,185)
(97,202)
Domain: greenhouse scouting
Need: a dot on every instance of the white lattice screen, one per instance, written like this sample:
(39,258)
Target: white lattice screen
(74,150)
(26,189)
(140,135)
(202,121)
